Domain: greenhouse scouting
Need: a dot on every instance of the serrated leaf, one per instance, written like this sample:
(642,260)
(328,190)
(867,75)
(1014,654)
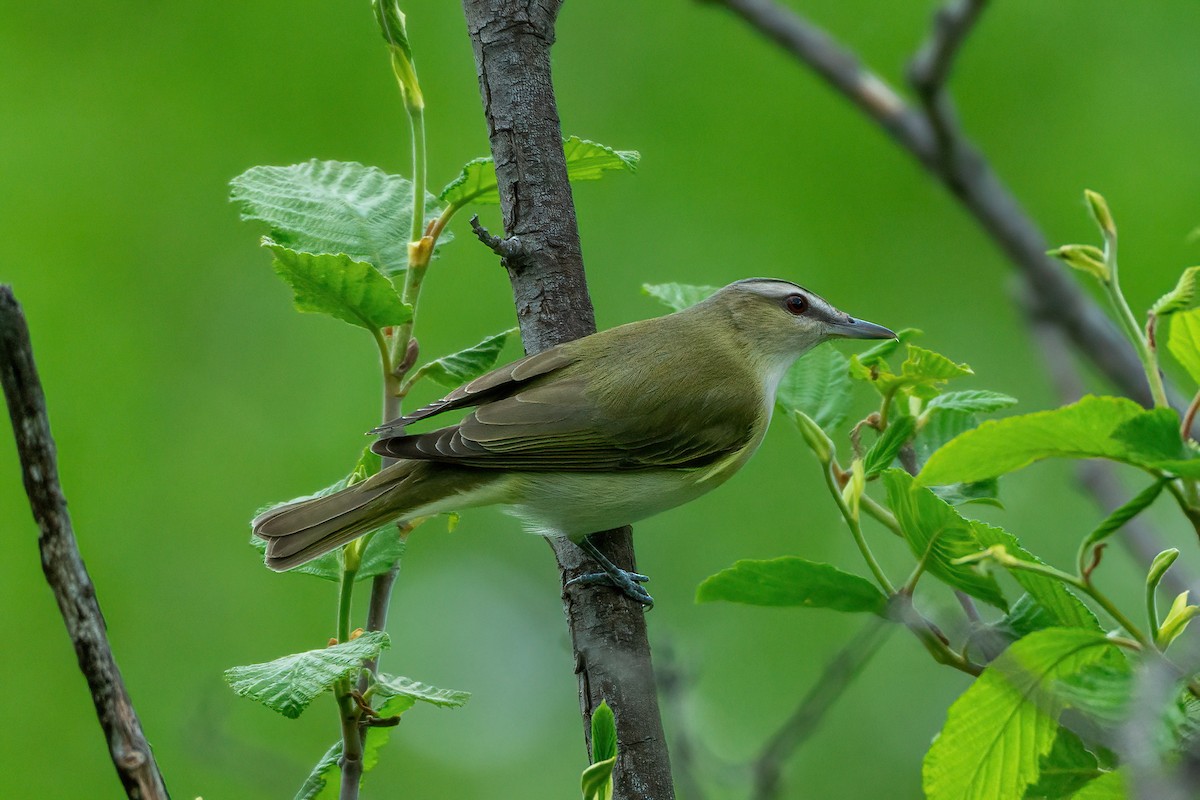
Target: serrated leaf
(596,780)
(997,732)
(586,161)
(791,581)
(1109,786)
(1095,427)
(1183,341)
(938,536)
(604,733)
(323,783)
(1124,513)
(287,685)
(881,352)
(678,296)
(337,285)
(938,429)
(1060,608)
(817,385)
(1065,769)
(466,365)
(1184,297)
(974,401)
(887,447)
(986,492)
(392,685)
(922,371)
(333,207)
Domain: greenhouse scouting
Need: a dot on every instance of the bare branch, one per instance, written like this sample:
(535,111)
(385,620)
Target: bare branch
(61,562)
(969,177)
(512,40)
(804,721)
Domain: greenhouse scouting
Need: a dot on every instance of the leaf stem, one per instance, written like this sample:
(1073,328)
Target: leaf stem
(1133,331)
(856,530)
(881,514)
(349,713)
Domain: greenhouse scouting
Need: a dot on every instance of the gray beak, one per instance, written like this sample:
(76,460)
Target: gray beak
(852,328)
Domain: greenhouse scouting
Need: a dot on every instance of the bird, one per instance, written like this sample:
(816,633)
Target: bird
(589,435)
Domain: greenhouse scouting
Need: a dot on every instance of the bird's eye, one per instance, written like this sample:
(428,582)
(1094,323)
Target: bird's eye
(796,304)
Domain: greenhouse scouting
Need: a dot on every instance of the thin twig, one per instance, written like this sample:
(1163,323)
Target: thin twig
(61,562)
(804,721)
(969,177)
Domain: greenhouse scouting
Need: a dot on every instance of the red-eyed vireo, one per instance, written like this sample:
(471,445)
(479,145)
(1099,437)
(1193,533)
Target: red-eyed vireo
(590,435)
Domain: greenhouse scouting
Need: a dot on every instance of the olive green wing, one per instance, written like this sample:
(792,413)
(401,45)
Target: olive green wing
(559,424)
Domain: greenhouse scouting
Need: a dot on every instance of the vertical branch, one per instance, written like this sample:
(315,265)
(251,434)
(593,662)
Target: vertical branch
(512,40)
(61,562)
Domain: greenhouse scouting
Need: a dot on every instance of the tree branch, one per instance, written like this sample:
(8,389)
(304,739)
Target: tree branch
(967,175)
(511,41)
(61,562)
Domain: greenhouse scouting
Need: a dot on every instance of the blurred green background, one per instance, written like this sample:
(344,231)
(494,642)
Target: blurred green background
(184,392)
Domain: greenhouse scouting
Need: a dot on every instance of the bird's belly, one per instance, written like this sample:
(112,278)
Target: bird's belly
(576,504)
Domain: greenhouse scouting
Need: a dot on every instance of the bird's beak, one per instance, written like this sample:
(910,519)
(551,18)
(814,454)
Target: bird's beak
(853,328)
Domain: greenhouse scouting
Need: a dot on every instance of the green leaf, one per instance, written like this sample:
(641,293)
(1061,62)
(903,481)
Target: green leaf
(1184,341)
(466,365)
(1102,692)
(791,581)
(604,733)
(337,285)
(1085,258)
(938,536)
(881,352)
(323,783)
(938,429)
(1109,786)
(597,780)
(1060,608)
(392,685)
(1123,514)
(678,296)
(985,492)
(817,385)
(586,161)
(975,401)
(997,732)
(287,685)
(332,207)
(1066,768)
(886,447)
(1184,297)
(395,33)
(1095,427)
(922,371)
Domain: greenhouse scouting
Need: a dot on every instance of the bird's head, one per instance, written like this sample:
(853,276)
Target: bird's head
(779,318)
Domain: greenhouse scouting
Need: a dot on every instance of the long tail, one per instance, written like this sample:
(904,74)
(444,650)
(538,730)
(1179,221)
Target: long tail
(301,531)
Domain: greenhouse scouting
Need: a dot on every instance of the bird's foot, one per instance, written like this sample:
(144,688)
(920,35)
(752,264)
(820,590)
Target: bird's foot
(629,583)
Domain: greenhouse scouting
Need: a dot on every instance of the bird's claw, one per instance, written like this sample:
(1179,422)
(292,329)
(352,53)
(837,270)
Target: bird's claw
(628,582)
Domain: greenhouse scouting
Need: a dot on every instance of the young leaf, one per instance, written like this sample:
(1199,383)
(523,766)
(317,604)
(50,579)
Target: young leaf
(392,685)
(586,161)
(975,401)
(1184,341)
(997,732)
(332,207)
(596,780)
(392,25)
(466,365)
(887,446)
(1085,258)
(323,782)
(938,536)
(922,371)
(1095,427)
(678,296)
(791,581)
(1065,769)
(352,291)
(287,685)
(604,733)
(1122,515)
(1184,297)
(818,385)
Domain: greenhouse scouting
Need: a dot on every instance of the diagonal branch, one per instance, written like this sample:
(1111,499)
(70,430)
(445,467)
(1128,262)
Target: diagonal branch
(968,176)
(512,40)
(61,562)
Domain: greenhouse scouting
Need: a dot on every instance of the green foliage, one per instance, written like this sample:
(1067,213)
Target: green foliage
(938,537)
(997,732)
(887,446)
(395,685)
(920,374)
(337,285)
(1065,769)
(1109,786)
(678,296)
(596,780)
(287,685)
(1123,514)
(1184,297)
(466,365)
(332,207)
(586,161)
(1183,341)
(973,401)
(1094,427)
(817,385)
(324,781)
(792,581)
(1085,258)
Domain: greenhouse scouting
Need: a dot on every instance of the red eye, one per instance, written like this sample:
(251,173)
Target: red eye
(796,304)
